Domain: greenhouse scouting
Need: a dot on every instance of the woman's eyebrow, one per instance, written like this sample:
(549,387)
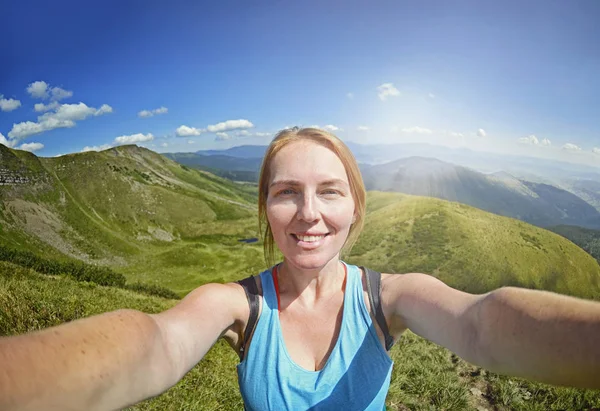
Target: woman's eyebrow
(285,182)
(333,182)
(329,182)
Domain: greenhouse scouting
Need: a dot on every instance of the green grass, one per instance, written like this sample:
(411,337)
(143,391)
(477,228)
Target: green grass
(470,249)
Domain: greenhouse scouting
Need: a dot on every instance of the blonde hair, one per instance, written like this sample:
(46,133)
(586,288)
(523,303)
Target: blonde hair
(325,139)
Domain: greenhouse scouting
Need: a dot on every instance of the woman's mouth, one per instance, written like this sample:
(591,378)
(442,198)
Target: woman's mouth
(309,240)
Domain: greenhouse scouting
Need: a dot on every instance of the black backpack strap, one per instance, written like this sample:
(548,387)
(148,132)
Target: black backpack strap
(249,285)
(373,280)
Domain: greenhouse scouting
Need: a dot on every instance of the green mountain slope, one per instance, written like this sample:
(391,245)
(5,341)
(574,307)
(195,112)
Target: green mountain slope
(128,208)
(587,239)
(470,249)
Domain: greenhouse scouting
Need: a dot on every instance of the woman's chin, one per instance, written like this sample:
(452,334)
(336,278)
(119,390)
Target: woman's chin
(310,262)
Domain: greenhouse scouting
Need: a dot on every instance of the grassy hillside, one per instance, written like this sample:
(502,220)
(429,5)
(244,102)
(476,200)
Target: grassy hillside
(133,210)
(469,248)
(587,239)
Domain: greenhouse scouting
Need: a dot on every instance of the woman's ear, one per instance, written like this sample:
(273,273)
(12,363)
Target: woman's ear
(354,218)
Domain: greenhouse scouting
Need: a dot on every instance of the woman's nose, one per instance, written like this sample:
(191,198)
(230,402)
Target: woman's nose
(308,208)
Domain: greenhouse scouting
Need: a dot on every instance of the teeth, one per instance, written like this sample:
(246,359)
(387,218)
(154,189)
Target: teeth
(309,238)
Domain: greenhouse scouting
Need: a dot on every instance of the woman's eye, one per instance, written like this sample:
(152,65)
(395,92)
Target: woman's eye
(286,191)
(330,192)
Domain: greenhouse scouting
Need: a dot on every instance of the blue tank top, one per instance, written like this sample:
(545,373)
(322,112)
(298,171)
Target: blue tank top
(356,375)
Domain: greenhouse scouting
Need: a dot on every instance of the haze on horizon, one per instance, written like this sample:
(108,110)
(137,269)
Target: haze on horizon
(505,78)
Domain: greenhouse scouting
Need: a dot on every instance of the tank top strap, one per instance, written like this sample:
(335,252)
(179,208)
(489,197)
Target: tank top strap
(268,291)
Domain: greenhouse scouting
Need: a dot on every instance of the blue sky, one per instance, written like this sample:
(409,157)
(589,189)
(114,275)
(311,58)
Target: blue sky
(495,76)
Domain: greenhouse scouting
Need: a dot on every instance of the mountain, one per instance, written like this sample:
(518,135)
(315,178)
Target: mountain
(588,190)
(217,161)
(131,209)
(499,193)
(587,239)
(227,166)
(245,151)
(470,249)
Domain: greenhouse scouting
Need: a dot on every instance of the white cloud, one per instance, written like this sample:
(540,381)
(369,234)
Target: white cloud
(9,104)
(164,145)
(363,128)
(191,142)
(31,146)
(571,147)
(104,109)
(38,89)
(455,134)
(331,127)
(263,134)
(64,116)
(150,113)
(530,139)
(134,138)
(69,112)
(417,130)
(185,131)
(387,90)
(481,133)
(242,133)
(546,142)
(350,95)
(42,90)
(6,142)
(59,93)
(222,136)
(230,125)
(42,108)
(29,128)
(96,148)
(595,150)
(431,95)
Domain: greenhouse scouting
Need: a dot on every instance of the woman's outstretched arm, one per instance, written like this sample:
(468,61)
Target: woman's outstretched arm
(532,334)
(115,359)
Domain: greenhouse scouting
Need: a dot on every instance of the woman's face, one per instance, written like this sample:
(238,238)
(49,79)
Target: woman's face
(309,206)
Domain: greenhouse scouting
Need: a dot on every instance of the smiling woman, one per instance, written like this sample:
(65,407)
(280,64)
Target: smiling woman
(312,332)
(323,159)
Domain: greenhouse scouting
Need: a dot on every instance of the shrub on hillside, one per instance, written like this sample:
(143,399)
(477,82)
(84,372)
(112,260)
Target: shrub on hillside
(76,269)
(80,271)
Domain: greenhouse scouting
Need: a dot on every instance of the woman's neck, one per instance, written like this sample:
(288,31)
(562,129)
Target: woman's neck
(310,286)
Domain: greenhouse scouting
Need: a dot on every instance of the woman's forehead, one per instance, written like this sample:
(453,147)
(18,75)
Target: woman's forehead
(301,160)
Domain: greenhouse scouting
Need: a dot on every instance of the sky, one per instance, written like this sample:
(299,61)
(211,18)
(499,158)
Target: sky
(507,77)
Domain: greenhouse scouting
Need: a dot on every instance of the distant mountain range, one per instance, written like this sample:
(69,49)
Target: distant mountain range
(541,192)
(499,193)
(228,166)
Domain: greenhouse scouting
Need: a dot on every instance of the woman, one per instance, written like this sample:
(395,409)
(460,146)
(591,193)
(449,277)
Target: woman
(315,344)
